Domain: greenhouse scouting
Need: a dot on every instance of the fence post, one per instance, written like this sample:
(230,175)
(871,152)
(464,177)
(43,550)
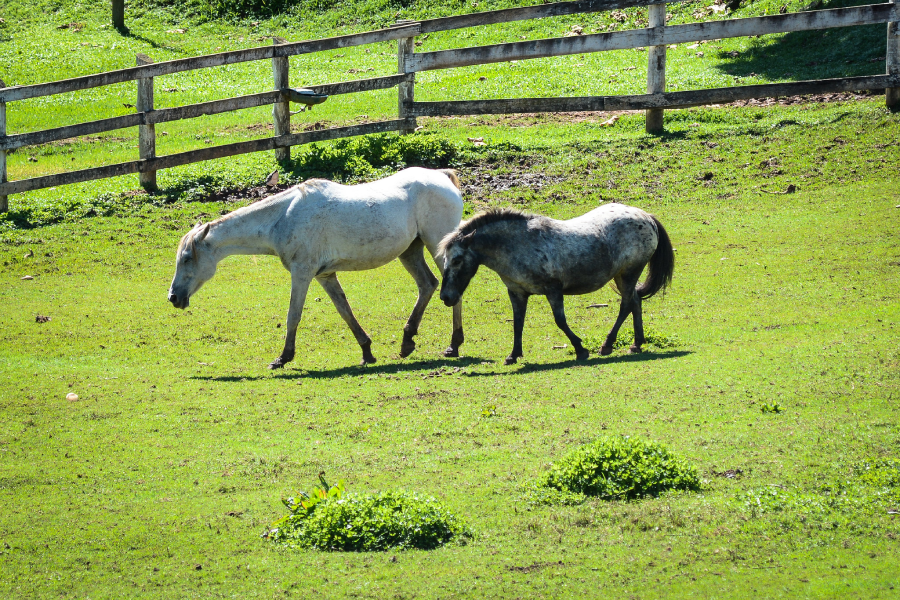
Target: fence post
(118,14)
(406,90)
(281,111)
(892,62)
(4,200)
(146,133)
(656,69)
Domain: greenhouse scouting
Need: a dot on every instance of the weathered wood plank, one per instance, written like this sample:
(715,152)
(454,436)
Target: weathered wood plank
(146,133)
(118,14)
(162,115)
(281,111)
(657,36)
(4,201)
(527,12)
(193,156)
(201,62)
(892,61)
(656,69)
(406,90)
(361,85)
(648,101)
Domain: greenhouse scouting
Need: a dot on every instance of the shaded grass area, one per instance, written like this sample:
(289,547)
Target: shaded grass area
(181,443)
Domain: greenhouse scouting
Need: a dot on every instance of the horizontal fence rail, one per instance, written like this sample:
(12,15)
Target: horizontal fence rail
(648,101)
(656,37)
(508,15)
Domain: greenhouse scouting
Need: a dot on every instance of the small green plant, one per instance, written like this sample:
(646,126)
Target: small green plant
(879,472)
(621,468)
(304,503)
(489,411)
(625,339)
(774,407)
(535,493)
(326,519)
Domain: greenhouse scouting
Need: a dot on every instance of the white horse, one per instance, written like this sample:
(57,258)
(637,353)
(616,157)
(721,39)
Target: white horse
(320,227)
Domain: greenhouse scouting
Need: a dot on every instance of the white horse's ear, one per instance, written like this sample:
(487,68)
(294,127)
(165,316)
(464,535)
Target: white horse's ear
(466,240)
(202,234)
(199,223)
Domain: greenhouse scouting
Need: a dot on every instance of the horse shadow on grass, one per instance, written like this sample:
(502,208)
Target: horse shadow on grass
(593,361)
(391,368)
(426,366)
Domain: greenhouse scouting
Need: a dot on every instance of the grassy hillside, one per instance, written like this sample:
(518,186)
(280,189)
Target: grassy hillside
(35,48)
(778,382)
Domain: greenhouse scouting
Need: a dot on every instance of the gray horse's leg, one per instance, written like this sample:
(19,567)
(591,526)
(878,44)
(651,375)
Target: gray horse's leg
(334,290)
(299,287)
(457,338)
(413,259)
(519,306)
(557,304)
(626,284)
(638,325)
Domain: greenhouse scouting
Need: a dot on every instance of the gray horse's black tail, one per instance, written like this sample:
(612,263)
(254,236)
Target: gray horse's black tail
(660,267)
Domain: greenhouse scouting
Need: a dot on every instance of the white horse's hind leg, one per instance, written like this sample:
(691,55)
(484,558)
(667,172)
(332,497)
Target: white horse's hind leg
(413,259)
(334,290)
(299,287)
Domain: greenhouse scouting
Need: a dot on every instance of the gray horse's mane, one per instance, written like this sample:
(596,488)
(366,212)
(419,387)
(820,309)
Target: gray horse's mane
(491,215)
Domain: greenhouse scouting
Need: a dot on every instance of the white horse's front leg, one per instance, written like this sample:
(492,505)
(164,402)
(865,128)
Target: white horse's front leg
(299,287)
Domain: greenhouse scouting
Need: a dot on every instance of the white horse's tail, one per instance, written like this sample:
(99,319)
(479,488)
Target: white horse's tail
(451,173)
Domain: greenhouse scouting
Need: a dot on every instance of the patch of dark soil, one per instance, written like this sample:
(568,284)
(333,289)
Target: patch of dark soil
(481,182)
(730,473)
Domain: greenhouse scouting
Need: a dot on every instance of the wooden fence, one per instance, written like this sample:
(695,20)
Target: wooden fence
(656,36)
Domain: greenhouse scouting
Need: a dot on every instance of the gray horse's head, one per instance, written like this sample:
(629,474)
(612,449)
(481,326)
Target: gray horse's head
(195,264)
(461,263)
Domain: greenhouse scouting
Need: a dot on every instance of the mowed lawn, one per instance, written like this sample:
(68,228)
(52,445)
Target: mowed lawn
(160,478)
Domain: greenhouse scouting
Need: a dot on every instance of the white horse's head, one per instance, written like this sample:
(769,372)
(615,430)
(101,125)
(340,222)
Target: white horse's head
(195,264)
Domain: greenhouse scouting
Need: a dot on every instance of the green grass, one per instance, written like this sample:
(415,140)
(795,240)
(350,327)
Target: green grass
(33,49)
(182,443)
(161,478)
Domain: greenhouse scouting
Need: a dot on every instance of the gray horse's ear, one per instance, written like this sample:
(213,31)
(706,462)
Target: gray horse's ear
(202,234)
(466,240)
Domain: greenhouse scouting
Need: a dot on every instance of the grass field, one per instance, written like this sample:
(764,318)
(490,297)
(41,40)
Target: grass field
(161,477)
(159,480)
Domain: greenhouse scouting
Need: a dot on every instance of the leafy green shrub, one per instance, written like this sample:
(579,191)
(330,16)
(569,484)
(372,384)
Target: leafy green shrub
(326,519)
(625,339)
(357,157)
(622,468)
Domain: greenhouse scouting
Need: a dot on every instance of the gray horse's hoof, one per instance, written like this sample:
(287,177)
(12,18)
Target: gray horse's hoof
(276,364)
(582,354)
(451,352)
(605,350)
(635,350)
(510,360)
